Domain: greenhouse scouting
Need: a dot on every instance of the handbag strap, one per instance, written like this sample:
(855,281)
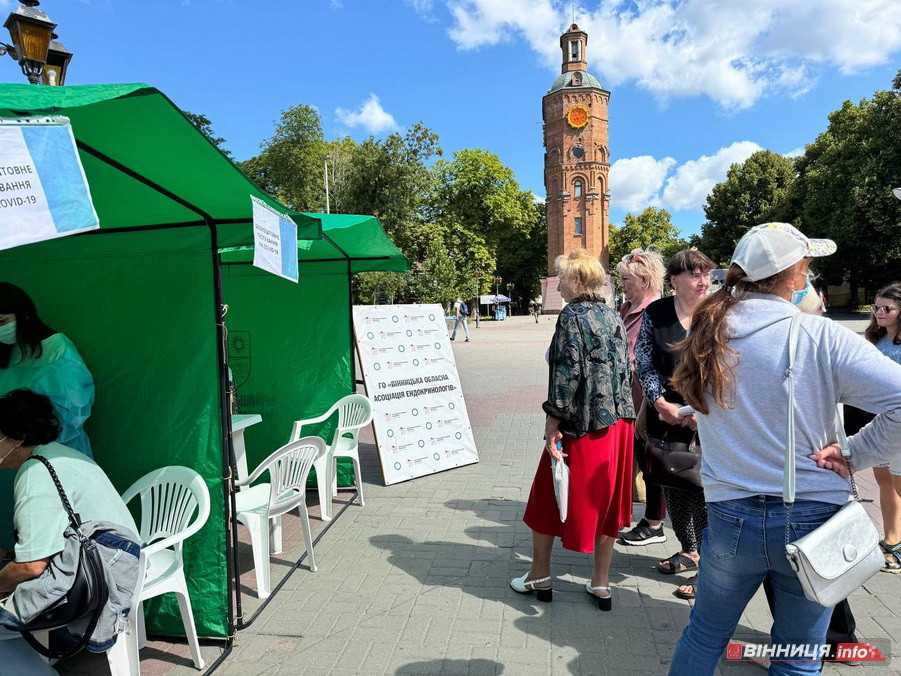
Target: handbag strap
(788,475)
(74,518)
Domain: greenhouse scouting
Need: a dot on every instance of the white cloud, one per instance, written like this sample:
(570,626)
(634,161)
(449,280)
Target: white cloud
(635,182)
(644,181)
(370,116)
(795,152)
(731,52)
(688,187)
(423,8)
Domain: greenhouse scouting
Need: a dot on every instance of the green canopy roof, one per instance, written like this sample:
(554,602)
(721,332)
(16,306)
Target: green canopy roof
(146,163)
(359,239)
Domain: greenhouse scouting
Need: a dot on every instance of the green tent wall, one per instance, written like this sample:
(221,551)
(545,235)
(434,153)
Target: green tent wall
(140,299)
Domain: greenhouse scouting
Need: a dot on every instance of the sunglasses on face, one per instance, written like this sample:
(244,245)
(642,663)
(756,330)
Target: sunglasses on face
(887,309)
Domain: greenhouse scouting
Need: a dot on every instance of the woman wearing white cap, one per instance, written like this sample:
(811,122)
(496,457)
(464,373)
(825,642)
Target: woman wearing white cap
(732,372)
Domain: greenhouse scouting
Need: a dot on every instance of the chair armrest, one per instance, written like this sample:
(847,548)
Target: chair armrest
(299,424)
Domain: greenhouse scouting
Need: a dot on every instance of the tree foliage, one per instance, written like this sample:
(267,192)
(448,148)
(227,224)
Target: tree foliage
(755,191)
(651,229)
(844,192)
(291,162)
(205,125)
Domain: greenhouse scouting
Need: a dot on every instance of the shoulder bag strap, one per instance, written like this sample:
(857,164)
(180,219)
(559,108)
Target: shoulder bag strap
(788,475)
(74,518)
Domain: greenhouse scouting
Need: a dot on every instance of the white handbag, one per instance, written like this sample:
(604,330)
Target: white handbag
(560,473)
(843,553)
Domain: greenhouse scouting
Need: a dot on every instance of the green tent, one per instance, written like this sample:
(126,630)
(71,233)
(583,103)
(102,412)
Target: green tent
(143,300)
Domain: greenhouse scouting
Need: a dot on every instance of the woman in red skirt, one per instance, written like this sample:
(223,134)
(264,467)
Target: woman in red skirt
(589,426)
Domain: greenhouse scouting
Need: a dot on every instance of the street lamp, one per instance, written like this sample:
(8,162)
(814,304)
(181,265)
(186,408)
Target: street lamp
(31,31)
(58,58)
(510,287)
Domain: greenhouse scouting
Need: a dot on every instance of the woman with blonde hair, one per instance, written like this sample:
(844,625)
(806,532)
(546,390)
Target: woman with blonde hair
(590,424)
(641,275)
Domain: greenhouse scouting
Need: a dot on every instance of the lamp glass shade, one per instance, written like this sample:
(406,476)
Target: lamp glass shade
(55,70)
(31,38)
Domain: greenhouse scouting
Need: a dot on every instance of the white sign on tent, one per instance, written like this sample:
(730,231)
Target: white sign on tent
(274,241)
(419,414)
(44,193)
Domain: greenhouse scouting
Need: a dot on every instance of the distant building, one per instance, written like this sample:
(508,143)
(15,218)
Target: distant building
(576,161)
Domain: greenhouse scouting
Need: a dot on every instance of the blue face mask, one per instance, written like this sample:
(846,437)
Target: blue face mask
(8,333)
(799,296)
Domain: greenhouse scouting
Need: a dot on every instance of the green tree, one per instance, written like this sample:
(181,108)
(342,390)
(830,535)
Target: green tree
(651,229)
(205,125)
(291,162)
(390,179)
(844,192)
(491,222)
(340,155)
(755,191)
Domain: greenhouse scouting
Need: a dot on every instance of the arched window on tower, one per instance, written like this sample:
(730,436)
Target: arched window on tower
(577,188)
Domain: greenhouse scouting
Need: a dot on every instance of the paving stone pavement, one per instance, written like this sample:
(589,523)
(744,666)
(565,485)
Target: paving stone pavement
(416,582)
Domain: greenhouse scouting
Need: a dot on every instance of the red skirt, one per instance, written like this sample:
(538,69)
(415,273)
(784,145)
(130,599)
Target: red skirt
(600,488)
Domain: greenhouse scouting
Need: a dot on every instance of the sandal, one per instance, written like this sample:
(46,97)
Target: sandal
(602,595)
(892,557)
(677,563)
(688,590)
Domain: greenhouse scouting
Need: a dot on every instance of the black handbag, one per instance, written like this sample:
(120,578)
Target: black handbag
(675,464)
(85,600)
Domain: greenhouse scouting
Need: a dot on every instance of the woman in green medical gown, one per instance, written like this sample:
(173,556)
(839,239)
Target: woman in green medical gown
(33,356)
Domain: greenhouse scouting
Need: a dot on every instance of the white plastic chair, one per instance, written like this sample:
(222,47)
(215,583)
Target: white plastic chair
(260,507)
(175,504)
(354,412)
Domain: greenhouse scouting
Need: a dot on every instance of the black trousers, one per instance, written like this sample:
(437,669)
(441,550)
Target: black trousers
(655,502)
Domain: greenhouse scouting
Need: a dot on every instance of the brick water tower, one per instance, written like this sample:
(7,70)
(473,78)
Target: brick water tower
(576,161)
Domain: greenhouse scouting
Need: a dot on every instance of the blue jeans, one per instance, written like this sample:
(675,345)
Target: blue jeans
(744,542)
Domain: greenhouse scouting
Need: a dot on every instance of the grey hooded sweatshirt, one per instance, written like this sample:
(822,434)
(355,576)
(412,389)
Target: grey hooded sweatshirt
(744,445)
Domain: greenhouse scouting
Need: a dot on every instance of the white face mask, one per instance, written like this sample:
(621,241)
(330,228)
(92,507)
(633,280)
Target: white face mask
(8,333)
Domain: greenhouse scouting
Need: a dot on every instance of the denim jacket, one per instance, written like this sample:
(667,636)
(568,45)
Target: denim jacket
(590,383)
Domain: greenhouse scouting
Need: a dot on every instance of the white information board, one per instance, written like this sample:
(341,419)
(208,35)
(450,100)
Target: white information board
(420,418)
(274,241)
(44,193)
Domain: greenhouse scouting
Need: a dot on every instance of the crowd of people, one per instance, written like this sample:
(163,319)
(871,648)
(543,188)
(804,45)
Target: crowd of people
(693,388)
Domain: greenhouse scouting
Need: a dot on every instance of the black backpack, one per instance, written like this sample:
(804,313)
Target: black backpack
(464,309)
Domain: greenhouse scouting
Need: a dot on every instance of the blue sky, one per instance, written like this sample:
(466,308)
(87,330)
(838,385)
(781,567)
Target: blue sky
(696,84)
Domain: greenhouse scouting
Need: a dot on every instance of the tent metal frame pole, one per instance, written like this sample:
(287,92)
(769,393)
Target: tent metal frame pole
(228,451)
(222,368)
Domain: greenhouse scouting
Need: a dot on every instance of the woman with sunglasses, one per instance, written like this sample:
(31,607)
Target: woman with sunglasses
(884,332)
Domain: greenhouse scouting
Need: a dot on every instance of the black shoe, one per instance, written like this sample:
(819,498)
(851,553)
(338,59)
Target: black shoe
(643,535)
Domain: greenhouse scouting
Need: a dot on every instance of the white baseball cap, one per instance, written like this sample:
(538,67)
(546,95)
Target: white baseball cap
(770,248)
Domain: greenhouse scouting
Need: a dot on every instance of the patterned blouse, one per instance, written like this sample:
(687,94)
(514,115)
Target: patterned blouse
(589,384)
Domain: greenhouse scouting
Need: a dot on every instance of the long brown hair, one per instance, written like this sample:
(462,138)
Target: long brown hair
(875,332)
(706,362)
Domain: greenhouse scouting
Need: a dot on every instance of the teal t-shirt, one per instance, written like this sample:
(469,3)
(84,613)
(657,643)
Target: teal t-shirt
(40,519)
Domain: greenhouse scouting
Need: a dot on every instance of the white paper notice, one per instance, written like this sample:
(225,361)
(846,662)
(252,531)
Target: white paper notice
(44,193)
(420,418)
(274,241)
